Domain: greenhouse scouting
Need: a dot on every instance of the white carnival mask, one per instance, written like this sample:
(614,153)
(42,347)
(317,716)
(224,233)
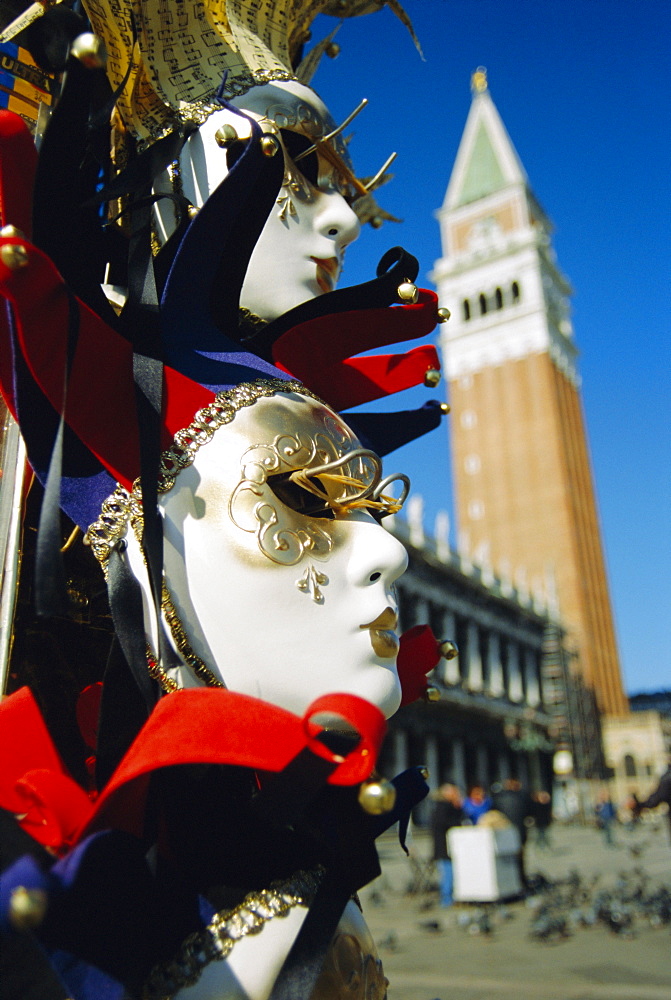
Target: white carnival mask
(280,579)
(300,252)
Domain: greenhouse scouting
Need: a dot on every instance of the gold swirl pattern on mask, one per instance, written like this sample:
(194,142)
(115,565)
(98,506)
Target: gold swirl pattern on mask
(123,508)
(283,535)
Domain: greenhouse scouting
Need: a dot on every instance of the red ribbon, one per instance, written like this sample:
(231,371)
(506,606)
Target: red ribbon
(196,726)
(418,656)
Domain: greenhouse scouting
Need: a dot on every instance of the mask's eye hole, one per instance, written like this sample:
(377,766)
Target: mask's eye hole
(295,144)
(294,496)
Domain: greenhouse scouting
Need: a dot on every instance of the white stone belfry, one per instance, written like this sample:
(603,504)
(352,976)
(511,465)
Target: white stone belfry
(498,274)
(525,505)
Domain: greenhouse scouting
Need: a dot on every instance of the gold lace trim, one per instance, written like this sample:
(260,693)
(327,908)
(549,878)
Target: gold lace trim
(122,508)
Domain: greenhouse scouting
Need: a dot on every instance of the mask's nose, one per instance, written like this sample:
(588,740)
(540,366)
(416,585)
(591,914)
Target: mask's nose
(378,559)
(337,220)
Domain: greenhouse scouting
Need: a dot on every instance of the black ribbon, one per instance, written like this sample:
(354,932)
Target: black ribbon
(50,584)
(355,865)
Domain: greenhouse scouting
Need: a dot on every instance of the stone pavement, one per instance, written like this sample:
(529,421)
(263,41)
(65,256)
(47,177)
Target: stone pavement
(429,952)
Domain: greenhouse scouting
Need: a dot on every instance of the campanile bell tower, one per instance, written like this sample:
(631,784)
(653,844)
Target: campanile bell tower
(523,484)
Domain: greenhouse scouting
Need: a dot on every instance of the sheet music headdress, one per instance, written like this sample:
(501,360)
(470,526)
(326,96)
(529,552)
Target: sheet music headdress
(169,60)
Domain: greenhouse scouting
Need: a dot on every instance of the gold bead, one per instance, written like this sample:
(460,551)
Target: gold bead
(192,211)
(445,408)
(11,231)
(443,314)
(407,292)
(448,649)
(269,145)
(377,797)
(332,50)
(225,135)
(90,50)
(14,256)
(432,378)
(432,694)
(27,908)
(425,773)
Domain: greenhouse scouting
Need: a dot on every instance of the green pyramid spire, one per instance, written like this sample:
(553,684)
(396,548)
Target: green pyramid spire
(483,173)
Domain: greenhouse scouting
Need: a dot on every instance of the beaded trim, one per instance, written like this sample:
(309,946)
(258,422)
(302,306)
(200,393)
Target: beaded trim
(154,668)
(216,942)
(197,112)
(122,508)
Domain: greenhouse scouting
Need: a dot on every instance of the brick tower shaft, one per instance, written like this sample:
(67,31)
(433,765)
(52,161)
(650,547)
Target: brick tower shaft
(524,493)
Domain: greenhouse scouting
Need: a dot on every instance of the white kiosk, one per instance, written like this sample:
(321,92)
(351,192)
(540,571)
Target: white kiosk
(485,863)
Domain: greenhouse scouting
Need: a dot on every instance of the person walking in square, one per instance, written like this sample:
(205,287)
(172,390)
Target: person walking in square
(661,794)
(447,812)
(605,817)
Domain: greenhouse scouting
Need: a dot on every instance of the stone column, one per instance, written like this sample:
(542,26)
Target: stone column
(422,612)
(400,750)
(432,761)
(458,774)
(495,665)
(415,515)
(449,669)
(524,770)
(515,689)
(474,662)
(532,679)
(481,766)
(535,781)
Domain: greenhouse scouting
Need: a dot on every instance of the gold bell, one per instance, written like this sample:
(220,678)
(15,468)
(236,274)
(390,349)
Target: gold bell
(11,231)
(448,649)
(192,211)
(424,771)
(445,408)
(14,256)
(407,292)
(269,145)
(432,694)
(90,50)
(443,314)
(431,378)
(377,797)
(332,50)
(225,135)
(376,222)
(27,908)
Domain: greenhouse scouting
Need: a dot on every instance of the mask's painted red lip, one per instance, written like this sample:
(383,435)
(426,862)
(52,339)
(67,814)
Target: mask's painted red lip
(328,269)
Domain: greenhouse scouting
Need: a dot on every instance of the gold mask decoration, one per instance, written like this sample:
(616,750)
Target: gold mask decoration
(291,488)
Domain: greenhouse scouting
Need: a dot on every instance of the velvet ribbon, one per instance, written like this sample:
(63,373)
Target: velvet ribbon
(185,728)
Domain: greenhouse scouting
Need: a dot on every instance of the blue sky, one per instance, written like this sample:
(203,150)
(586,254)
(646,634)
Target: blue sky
(582,87)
